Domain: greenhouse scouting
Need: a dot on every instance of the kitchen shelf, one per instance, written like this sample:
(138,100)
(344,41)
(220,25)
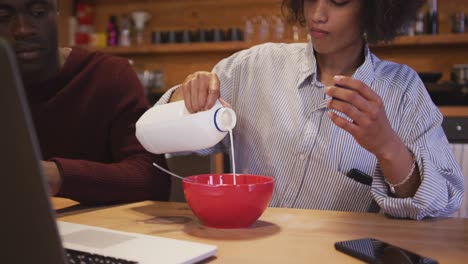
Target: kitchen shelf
(425,40)
(454,111)
(178,48)
(230,46)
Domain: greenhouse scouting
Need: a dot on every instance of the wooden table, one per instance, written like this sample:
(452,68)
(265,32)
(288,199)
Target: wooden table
(62,203)
(281,235)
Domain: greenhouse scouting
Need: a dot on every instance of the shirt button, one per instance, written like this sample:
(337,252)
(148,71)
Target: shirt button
(302,156)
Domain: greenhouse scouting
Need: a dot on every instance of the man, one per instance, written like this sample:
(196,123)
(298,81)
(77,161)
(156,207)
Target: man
(84,106)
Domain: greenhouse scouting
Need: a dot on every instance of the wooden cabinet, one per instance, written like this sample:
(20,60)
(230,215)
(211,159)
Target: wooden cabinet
(426,53)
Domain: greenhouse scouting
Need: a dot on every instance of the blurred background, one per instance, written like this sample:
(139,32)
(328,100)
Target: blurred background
(166,40)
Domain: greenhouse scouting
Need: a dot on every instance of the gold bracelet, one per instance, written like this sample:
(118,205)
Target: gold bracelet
(392,186)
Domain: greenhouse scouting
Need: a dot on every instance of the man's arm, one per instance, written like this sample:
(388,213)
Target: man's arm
(128,175)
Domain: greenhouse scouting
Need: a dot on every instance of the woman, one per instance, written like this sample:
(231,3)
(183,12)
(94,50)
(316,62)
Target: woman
(308,114)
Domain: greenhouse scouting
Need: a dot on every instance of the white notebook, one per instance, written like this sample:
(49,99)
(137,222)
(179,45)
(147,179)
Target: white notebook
(132,246)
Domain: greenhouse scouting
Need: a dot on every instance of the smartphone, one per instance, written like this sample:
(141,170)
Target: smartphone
(372,250)
(360,176)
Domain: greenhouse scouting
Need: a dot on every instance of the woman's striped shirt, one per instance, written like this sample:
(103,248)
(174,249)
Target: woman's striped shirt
(283,131)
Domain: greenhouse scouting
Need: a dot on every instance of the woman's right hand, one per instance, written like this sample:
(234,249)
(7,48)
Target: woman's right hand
(200,91)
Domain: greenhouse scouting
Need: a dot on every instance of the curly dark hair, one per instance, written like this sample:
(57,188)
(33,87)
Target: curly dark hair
(382,20)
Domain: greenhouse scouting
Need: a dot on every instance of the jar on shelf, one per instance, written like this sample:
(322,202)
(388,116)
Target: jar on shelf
(457,22)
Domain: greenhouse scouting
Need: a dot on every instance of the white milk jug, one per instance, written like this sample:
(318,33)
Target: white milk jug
(171,128)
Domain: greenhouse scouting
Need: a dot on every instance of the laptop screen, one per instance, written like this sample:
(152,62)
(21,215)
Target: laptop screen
(28,225)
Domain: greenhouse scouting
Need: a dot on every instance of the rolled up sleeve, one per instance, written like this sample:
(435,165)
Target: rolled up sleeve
(442,183)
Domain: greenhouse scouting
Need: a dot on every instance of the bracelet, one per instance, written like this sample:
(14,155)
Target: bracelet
(392,186)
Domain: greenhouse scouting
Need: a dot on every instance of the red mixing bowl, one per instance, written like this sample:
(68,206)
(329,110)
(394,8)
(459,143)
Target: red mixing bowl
(218,203)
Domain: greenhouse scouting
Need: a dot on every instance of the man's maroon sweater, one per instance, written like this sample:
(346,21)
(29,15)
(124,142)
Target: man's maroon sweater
(85,121)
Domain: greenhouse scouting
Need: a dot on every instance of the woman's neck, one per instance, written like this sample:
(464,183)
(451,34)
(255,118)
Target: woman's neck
(345,62)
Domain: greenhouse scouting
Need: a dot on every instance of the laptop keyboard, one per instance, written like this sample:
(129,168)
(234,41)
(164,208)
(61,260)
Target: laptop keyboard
(80,257)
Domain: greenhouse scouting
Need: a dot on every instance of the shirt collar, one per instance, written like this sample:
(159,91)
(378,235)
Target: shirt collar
(308,68)
(366,72)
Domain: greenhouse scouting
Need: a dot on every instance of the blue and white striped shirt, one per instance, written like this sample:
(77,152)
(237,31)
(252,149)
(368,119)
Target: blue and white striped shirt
(283,131)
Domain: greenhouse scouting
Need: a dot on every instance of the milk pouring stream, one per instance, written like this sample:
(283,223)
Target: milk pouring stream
(171,128)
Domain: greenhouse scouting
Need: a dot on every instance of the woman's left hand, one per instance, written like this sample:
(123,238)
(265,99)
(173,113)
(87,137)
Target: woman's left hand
(369,126)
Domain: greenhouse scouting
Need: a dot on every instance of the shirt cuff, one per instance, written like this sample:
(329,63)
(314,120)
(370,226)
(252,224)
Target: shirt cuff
(73,174)
(431,198)
(167,96)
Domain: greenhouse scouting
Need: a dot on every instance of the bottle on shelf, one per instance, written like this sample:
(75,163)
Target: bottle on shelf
(432,17)
(112,31)
(249,29)
(410,28)
(125,38)
(263,28)
(279,28)
(419,24)
(84,25)
(296,33)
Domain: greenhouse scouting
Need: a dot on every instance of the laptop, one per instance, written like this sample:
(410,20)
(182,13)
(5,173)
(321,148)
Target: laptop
(29,230)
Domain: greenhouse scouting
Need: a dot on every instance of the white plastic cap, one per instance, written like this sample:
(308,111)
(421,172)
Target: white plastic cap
(225,119)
